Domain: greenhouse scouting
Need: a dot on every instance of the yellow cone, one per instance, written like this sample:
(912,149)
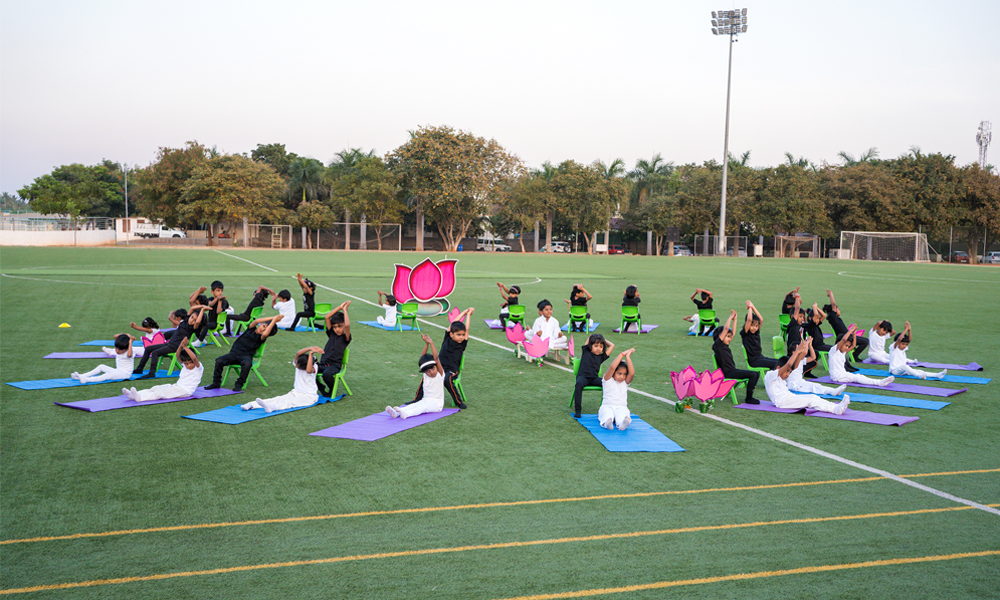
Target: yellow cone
(64,325)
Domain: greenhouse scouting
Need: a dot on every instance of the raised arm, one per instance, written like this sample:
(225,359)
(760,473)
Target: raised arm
(184,348)
(907,332)
(794,359)
(467,313)
(131,339)
(833,303)
(140,328)
(844,344)
(626,356)
(309,364)
(302,284)
(730,322)
(503,291)
(193,300)
(201,313)
(271,323)
(584,290)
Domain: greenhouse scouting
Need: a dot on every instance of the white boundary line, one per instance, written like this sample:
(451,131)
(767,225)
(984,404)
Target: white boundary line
(754,430)
(249,261)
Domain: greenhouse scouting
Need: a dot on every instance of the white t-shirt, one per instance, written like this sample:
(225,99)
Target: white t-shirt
(776,387)
(876,345)
(390,316)
(287,312)
(897,357)
(837,361)
(548,328)
(305,383)
(124,362)
(434,388)
(190,379)
(615,394)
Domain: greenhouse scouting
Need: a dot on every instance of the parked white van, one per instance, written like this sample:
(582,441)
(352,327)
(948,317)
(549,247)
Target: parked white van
(491,245)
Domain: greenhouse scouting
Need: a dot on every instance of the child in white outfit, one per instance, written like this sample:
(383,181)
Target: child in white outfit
(900,365)
(124,363)
(150,336)
(838,358)
(187,382)
(775,382)
(285,306)
(545,326)
(614,407)
(797,383)
(389,320)
(430,396)
(877,338)
(304,392)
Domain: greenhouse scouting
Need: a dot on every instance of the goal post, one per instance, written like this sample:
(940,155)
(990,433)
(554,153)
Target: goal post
(883,245)
(797,246)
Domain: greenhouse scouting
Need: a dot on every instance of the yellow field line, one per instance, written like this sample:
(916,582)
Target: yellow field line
(497,546)
(400,511)
(758,575)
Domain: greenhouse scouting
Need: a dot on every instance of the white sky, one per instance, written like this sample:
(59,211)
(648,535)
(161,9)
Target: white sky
(85,80)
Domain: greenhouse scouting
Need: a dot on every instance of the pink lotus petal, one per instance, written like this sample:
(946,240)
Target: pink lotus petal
(448,278)
(681,388)
(453,315)
(724,388)
(536,347)
(717,376)
(401,284)
(425,280)
(688,374)
(704,387)
(572,347)
(515,334)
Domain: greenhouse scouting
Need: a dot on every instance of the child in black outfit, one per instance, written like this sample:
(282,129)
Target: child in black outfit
(795,331)
(509,295)
(724,358)
(258,300)
(704,304)
(338,333)
(579,296)
(452,349)
(631,298)
(789,302)
(596,351)
(840,329)
(308,301)
(186,325)
(750,335)
(814,319)
(243,350)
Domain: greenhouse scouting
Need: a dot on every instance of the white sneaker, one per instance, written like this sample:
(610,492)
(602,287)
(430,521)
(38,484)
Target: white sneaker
(841,407)
(840,390)
(392,411)
(75,375)
(886,381)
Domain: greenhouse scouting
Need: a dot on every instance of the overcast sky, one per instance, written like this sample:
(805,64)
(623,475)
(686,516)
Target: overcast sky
(85,80)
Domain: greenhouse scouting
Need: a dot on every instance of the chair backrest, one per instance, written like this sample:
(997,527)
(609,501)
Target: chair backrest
(784,320)
(777,345)
(255,313)
(630,312)
(576,366)
(516,310)
(343,363)
(409,309)
(322,308)
(578,312)
(706,315)
(258,353)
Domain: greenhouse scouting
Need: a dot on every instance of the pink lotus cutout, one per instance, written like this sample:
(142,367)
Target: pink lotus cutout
(515,334)
(428,283)
(536,347)
(453,314)
(683,382)
(712,384)
(572,347)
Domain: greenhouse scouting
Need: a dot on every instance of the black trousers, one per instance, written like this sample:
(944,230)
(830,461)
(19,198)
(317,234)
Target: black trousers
(762,362)
(156,352)
(752,376)
(582,382)
(302,315)
(328,372)
(245,361)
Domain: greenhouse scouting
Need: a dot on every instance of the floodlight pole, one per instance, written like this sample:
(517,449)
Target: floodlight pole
(725,156)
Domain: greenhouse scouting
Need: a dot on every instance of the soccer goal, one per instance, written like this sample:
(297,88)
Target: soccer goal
(797,246)
(881,245)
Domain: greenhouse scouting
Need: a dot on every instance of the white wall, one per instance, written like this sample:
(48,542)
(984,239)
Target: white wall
(57,238)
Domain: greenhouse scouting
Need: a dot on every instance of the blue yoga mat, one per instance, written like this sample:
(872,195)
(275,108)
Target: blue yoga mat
(234,415)
(639,437)
(888,400)
(947,378)
(48,384)
(593,328)
(377,325)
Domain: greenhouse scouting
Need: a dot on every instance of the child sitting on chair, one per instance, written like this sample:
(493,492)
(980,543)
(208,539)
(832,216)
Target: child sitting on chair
(704,304)
(595,351)
(509,295)
(900,365)
(545,326)
(124,363)
(631,298)
(258,300)
(186,323)
(308,301)
(338,337)
(187,382)
(750,335)
(775,382)
(579,296)
(430,394)
(724,358)
(838,357)
(285,306)
(389,320)
(879,335)
(304,391)
(151,337)
(452,349)
(614,406)
(242,351)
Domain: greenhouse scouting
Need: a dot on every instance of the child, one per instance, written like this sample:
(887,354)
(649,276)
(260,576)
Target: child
(750,335)
(814,320)
(898,363)
(197,298)
(304,391)
(797,383)
(150,329)
(777,389)
(258,300)
(186,324)
(308,301)
(187,382)
(285,306)
(840,329)
(794,335)
(631,298)
(430,394)
(389,320)
(791,300)
(724,358)
(879,335)
(704,304)
(838,356)
(242,351)
(338,337)
(614,405)
(124,363)
(547,327)
(509,295)
(452,348)
(579,296)
(595,351)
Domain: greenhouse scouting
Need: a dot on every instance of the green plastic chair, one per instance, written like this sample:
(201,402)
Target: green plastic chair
(320,309)
(339,377)
(762,370)
(783,321)
(630,314)
(706,318)
(457,382)
(407,311)
(215,334)
(576,369)
(175,362)
(516,314)
(578,314)
(740,383)
(240,326)
(253,367)
(778,346)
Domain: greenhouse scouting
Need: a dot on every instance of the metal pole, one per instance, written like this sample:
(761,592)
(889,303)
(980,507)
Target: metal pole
(725,155)
(125,224)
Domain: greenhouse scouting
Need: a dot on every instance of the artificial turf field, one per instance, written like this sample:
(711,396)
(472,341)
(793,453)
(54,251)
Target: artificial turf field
(510,498)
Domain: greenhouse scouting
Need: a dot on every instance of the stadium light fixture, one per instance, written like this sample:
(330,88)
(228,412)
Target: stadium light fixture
(731,23)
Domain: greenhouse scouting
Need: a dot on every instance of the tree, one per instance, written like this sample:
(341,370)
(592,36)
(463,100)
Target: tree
(867,156)
(787,200)
(313,215)
(305,176)
(455,175)
(589,199)
(976,205)
(274,155)
(369,189)
(530,194)
(231,186)
(161,184)
(547,172)
(657,213)
(649,176)
(861,197)
(13,203)
(76,190)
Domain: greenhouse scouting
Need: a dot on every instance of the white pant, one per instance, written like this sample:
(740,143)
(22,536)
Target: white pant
(801,385)
(386,322)
(695,324)
(292,399)
(425,405)
(104,373)
(908,370)
(846,377)
(879,357)
(805,401)
(558,343)
(162,392)
(607,416)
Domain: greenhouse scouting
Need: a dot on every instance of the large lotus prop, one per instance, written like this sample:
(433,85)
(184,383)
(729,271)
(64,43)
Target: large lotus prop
(428,284)
(706,387)
(534,346)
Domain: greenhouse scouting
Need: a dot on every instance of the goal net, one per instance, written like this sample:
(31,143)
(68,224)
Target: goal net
(797,246)
(879,245)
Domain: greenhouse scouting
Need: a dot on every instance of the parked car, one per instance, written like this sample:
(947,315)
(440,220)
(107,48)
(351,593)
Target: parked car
(491,245)
(153,230)
(959,256)
(742,254)
(558,247)
(616,249)
(992,258)
(679,250)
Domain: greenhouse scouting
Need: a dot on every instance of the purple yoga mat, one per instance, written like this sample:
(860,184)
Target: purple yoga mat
(928,365)
(899,387)
(77,355)
(631,329)
(379,425)
(858,416)
(122,402)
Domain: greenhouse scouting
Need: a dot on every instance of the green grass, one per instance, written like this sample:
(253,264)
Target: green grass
(70,472)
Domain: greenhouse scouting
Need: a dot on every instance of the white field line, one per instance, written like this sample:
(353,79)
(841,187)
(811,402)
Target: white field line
(245,260)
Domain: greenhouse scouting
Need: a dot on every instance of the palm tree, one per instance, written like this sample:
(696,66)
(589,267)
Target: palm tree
(614,170)
(346,161)
(801,161)
(647,174)
(305,175)
(868,156)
